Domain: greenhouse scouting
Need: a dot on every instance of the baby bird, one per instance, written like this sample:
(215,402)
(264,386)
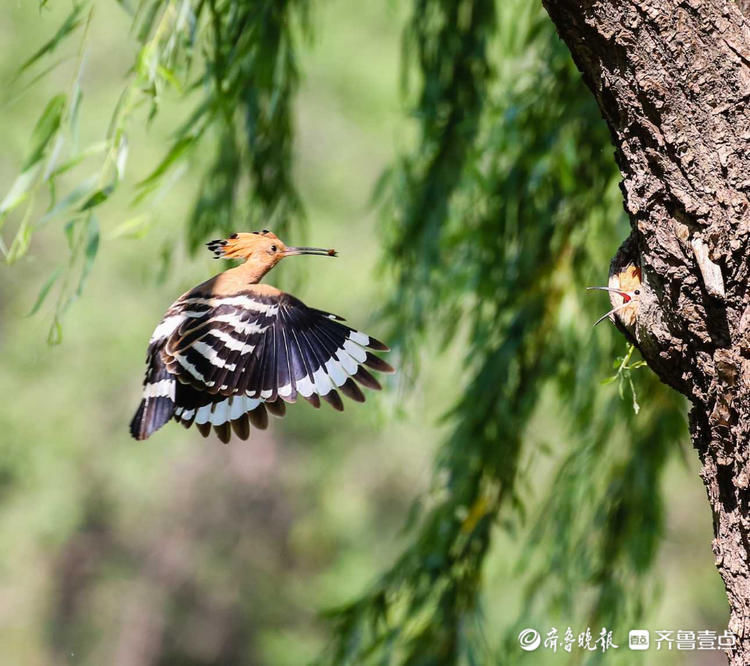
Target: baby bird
(624,294)
(231,350)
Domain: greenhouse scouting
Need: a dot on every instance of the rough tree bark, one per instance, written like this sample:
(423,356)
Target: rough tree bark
(672,79)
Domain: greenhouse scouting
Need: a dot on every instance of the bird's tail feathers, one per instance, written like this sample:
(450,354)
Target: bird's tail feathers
(157,404)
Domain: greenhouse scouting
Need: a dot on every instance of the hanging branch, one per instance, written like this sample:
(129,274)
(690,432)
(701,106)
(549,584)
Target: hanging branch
(498,222)
(234,61)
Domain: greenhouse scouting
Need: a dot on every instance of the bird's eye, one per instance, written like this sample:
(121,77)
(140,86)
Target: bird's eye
(637,292)
(273,248)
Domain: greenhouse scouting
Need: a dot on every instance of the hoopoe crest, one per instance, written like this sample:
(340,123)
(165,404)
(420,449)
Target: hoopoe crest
(231,350)
(624,294)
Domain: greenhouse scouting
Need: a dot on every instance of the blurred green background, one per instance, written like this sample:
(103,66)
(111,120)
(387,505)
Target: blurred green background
(183,551)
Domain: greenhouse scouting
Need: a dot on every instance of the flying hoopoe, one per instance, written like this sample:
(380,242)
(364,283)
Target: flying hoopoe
(230,350)
(624,294)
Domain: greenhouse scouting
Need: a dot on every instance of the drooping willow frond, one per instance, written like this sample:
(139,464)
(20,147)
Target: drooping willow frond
(233,62)
(507,208)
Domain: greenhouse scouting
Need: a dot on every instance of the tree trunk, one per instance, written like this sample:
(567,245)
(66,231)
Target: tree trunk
(672,79)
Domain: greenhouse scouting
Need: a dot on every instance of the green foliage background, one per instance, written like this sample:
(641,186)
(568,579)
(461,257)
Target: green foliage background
(450,153)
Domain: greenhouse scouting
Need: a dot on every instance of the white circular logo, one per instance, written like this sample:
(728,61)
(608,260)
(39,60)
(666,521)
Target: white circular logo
(529,639)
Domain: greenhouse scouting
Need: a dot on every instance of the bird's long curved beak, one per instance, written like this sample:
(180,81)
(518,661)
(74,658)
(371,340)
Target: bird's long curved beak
(319,251)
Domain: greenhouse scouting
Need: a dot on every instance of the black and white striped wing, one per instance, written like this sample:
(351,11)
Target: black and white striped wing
(238,355)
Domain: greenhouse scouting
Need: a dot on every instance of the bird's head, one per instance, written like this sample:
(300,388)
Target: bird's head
(624,294)
(263,248)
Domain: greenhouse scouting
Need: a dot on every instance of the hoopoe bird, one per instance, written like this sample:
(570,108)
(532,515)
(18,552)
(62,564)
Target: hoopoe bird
(231,350)
(624,295)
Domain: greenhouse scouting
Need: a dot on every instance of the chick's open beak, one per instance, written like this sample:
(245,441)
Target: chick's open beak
(622,293)
(626,299)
